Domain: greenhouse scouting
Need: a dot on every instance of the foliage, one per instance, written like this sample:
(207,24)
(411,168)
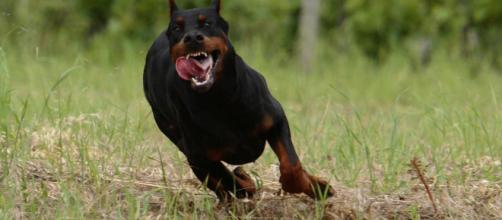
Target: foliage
(375,27)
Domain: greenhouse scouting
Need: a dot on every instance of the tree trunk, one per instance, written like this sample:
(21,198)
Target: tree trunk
(309,31)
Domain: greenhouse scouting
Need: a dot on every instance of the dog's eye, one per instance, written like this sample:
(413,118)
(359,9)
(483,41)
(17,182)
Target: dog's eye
(176,28)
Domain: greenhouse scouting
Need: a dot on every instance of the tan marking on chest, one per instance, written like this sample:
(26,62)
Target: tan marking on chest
(265,125)
(217,153)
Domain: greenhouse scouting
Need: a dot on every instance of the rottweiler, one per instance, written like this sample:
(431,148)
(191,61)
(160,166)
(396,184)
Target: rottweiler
(214,107)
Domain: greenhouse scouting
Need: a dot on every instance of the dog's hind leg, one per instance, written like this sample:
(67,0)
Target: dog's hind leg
(220,180)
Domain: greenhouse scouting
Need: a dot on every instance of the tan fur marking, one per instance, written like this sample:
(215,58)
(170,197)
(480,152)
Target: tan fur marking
(293,178)
(210,44)
(180,20)
(217,43)
(265,125)
(178,50)
(244,180)
(202,18)
(215,154)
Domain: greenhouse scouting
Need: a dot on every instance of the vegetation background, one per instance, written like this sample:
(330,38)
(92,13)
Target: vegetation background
(374,28)
(387,81)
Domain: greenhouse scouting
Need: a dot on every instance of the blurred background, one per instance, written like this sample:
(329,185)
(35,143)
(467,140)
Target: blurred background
(414,29)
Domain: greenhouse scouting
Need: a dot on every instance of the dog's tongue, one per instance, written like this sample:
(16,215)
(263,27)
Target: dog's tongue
(189,68)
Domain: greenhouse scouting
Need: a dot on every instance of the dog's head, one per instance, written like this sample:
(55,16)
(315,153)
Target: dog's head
(198,44)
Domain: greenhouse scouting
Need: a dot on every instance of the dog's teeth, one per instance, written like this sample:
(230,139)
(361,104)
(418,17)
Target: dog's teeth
(204,54)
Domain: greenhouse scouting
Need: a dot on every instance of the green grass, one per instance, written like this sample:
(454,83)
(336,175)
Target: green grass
(78,141)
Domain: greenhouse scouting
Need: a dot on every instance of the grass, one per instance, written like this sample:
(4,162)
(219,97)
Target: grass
(78,140)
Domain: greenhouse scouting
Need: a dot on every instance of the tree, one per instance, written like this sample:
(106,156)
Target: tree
(308,33)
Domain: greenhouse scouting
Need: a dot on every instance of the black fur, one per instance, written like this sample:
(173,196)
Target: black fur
(226,122)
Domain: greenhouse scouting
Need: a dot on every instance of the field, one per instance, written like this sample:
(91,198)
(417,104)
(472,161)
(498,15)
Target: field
(78,140)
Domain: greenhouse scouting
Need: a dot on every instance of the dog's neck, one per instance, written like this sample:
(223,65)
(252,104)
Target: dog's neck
(235,78)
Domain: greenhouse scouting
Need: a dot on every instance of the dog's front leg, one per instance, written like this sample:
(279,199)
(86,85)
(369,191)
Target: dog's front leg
(293,178)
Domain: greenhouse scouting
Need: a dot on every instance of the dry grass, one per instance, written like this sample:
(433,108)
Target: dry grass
(182,195)
(474,200)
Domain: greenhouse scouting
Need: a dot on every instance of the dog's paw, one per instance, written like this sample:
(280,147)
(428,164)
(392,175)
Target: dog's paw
(299,181)
(245,184)
(319,188)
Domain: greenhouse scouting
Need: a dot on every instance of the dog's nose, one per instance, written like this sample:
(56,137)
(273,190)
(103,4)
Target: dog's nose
(193,37)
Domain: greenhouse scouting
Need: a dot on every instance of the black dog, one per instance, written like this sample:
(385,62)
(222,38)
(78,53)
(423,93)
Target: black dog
(215,107)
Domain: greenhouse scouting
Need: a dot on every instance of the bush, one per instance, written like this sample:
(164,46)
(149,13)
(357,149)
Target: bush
(375,27)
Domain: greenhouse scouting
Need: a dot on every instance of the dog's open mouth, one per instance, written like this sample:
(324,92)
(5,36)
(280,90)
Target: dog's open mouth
(198,67)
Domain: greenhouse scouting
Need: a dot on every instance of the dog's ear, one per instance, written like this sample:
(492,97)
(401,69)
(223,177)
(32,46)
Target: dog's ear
(172,7)
(217,5)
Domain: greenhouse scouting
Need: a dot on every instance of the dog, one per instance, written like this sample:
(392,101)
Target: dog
(215,108)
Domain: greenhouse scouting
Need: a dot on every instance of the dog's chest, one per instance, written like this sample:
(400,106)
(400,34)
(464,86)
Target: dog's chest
(225,117)
(243,151)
